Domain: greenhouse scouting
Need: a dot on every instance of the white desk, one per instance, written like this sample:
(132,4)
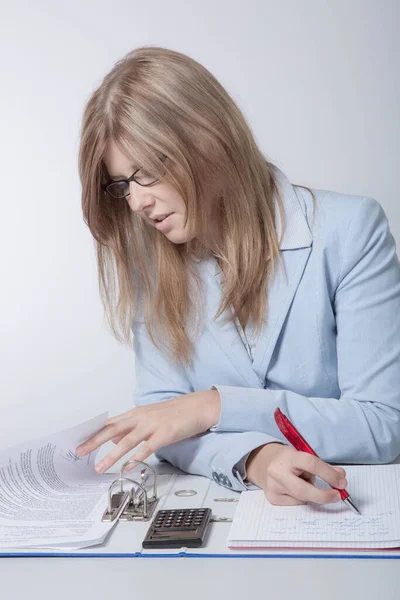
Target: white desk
(195,579)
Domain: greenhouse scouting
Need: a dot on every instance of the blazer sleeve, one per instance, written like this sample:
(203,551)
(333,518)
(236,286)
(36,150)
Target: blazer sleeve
(212,454)
(363,425)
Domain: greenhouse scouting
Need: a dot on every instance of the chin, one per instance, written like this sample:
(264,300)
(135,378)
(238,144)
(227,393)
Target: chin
(177,236)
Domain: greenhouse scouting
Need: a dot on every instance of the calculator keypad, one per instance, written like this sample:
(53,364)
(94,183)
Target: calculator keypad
(177,528)
(180,519)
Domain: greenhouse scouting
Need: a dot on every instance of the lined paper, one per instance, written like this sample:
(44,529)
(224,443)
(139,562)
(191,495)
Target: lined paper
(375,489)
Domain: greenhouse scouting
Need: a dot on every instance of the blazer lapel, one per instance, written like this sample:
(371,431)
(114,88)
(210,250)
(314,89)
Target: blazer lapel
(295,250)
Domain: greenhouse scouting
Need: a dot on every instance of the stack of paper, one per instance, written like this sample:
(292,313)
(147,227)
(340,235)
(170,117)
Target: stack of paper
(375,490)
(49,496)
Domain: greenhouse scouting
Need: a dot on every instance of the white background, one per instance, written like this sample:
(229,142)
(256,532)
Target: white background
(319,82)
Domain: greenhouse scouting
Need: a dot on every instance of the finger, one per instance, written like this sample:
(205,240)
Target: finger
(298,488)
(104,435)
(308,477)
(143,452)
(118,438)
(118,418)
(127,443)
(282,499)
(316,466)
(340,470)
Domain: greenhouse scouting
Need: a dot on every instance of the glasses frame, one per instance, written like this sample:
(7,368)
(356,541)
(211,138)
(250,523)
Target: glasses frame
(127,181)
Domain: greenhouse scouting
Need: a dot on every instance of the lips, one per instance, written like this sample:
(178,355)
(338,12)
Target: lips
(165,224)
(161,218)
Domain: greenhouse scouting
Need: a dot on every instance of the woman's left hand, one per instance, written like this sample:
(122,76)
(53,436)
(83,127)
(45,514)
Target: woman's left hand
(156,425)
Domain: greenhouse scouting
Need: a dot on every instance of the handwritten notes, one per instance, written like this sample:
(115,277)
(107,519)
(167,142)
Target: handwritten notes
(375,490)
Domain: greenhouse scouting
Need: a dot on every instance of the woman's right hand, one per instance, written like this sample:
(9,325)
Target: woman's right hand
(287,475)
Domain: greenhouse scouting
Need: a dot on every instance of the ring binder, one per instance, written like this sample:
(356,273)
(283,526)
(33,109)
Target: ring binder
(135,504)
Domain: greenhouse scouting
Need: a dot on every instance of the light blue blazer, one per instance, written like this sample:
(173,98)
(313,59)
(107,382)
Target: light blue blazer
(328,357)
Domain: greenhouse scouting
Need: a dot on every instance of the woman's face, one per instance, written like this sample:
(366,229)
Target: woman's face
(156,200)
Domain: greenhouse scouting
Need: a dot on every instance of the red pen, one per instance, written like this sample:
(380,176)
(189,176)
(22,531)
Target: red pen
(296,439)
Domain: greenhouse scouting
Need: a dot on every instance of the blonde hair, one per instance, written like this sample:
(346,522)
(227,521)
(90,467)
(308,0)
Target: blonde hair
(156,100)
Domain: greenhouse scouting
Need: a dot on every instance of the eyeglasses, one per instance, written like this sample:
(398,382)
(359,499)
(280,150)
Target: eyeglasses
(120,188)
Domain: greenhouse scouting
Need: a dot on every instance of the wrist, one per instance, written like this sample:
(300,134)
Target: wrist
(208,407)
(258,461)
(213,407)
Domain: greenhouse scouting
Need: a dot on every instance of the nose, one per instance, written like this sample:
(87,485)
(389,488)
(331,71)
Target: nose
(139,197)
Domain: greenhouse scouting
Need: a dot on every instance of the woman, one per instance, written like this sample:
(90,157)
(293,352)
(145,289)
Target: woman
(244,292)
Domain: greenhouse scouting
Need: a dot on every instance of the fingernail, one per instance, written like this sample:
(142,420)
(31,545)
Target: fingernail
(343,482)
(101,467)
(80,450)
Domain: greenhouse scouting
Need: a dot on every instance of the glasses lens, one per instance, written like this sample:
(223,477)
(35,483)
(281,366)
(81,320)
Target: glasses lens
(118,190)
(144,177)
(121,189)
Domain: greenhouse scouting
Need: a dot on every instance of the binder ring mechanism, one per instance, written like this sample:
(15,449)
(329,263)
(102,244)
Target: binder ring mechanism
(134,504)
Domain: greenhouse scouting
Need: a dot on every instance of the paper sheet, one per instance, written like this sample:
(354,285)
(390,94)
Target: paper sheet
(375,489)
(51,497)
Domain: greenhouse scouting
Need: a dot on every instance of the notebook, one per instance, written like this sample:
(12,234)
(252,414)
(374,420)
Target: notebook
(375,489)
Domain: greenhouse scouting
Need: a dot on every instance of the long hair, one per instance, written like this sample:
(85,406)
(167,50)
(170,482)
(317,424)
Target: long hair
(156,100)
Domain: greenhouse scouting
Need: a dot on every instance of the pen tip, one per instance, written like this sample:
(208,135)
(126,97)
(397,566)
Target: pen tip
(350,502)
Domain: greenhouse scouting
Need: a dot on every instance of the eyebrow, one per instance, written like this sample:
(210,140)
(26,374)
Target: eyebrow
(122,176)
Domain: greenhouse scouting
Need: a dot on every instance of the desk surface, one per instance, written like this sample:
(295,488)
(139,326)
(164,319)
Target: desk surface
(195,578)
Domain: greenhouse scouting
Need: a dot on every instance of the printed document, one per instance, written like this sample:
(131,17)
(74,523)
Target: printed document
(49,496)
